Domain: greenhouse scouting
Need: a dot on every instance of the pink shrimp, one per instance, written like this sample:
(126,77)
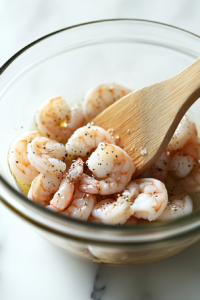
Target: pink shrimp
(64,196)
(111,163)
(57,121)
(100,97)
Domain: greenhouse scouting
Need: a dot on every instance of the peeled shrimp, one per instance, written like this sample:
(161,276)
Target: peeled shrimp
(159,169)
(86,139)
(111,163)
(81,206)
(181,135)
(43,188)
(181,164)
(100,97)
(46,155)
(191,183)
(113,212)
(57,121)
(151,201)
(64,196)
(18,160)
(183,159)
(178,206)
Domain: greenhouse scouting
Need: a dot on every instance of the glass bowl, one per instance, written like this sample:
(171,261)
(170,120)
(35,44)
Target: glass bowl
(134,53)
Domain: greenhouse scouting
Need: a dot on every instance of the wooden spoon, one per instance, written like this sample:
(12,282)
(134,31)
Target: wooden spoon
(146,119)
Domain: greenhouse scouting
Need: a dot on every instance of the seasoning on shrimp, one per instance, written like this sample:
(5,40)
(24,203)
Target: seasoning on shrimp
(81,206)
(184,158)
(109,162)
(64,196)
(56,120)
(110,211)
(181,135)
(102,191)
(85,140)
(43,188)
(159,169)
(178,206)
(46,155)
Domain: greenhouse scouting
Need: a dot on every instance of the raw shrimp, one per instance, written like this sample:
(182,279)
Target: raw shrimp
(151,201)
(191,183)
(43,188)
(18,160)
(159,169)
(178,206)
(64,196)
(57,121)
(111,163)
(46,155)
(183,160)
(86,139)
(113,212)
(100,97)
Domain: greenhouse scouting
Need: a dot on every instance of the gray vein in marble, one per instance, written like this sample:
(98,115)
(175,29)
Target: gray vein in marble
(99,286)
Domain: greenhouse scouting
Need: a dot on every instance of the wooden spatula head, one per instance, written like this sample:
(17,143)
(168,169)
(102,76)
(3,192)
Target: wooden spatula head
(144,121)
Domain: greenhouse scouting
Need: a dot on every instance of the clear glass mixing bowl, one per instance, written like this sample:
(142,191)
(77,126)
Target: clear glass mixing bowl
(134,53)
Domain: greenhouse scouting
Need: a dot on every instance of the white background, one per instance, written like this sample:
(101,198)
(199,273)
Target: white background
(30,267)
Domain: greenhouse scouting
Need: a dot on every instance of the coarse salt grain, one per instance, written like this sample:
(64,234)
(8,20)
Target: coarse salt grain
(144,151)
(133,147)
(110,130)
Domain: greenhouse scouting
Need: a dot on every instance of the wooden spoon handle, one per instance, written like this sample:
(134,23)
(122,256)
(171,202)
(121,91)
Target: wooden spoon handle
(185,88)
(179,93)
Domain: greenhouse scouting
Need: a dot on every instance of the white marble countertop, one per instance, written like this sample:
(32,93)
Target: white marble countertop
(32,268)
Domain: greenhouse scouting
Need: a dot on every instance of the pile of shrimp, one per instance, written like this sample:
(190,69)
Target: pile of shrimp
(78,170)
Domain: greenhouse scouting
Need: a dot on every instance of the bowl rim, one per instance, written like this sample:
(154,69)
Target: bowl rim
(174,227)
